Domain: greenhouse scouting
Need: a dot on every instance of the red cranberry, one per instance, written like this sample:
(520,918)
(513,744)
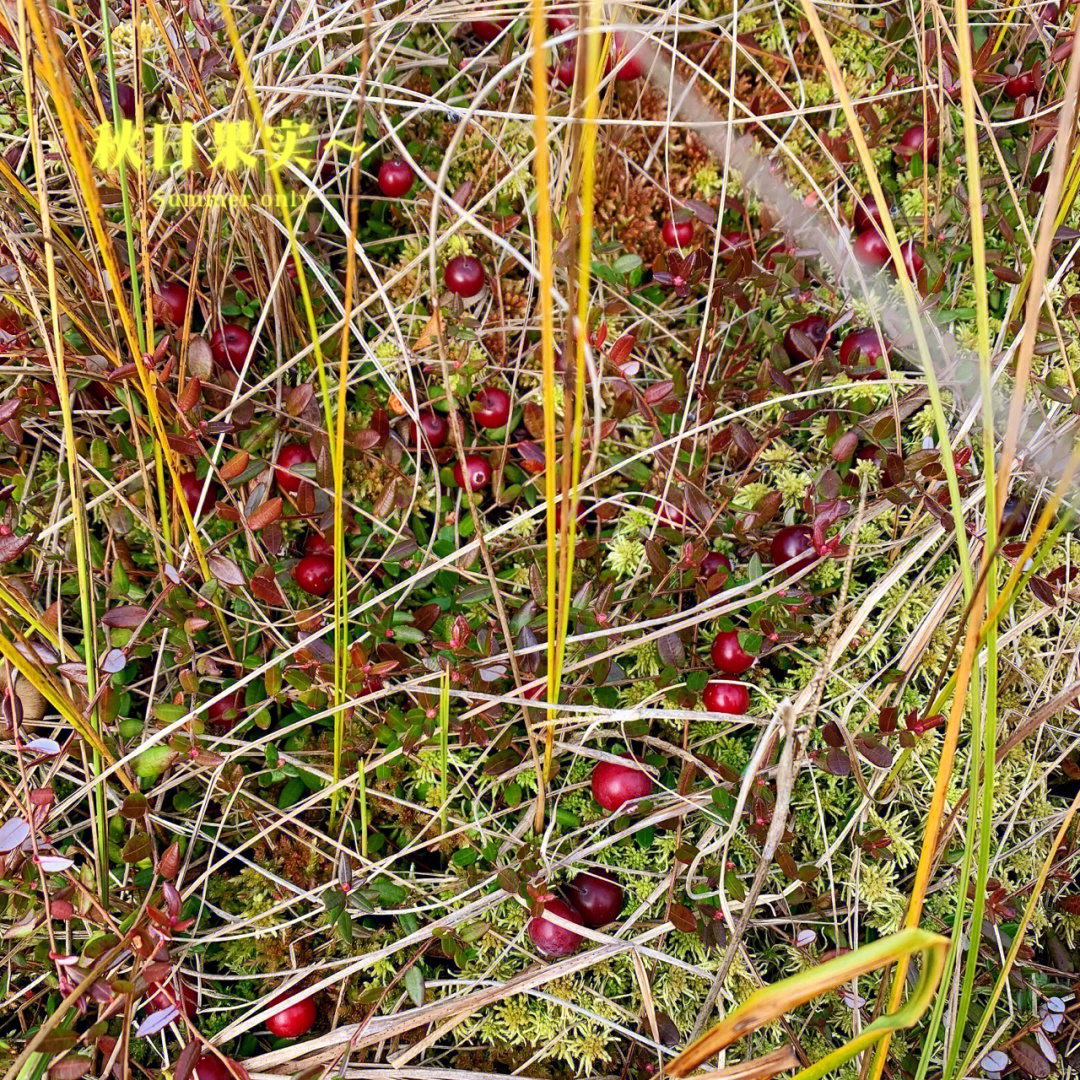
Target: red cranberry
(913,261)
(863,347)
(289,455)
(1026,84)
(597,896)
(816,328)
(191,487)
(628,62)
(677,234)
(670,516)
(164,996)
(730,241)
(726,697)
(315,574)
(781,247)
(125,98)
(553,940)
(917,140)
(464,276)
(395,178)
(488,29)
(1014,515)
(475,475)
(537,691)
(789,544)
(315,544)
(230,346)
(293,1021)
(170,302)
(560,19)
(565,70)
(713,563)
(871,249)
(211,1067)
(435,426)
(614,784)
(728,655)
(867,214)
(491,407)
(228,711)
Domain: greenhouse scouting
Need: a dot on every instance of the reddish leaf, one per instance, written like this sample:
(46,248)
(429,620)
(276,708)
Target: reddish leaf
(125,617)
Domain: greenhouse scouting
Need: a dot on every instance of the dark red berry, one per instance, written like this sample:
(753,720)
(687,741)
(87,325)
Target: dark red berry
(170,302)
(789,544)
(491,407)
(627,60)
(315,574)
(715,562)
(917,140)
(553,940)
(614,784)
(862,347)
(191,488)
(475,475)
(779,248)
(228,711)
(1014,515)
(315,544)
(913,261)
(867,214)
(125,98)
(560,19)
(815,328)
(731,241)
(670,516)
(565,70)
(597,896)
(211,1067)
(871,249)
(726,697)
(487,29)
(728,655)
(395,178)
(435,426)
(293,1021)
(464,276)
(230,346)
(165,996)
(1026,84)
(289,455)
(677,234)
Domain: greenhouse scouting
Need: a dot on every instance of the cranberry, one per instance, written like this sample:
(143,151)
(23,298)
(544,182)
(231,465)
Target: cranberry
(712,564)
(230,346)
(293,1021)
(289,455)
(191,487)
(565,70)
(170,302)
(628,63)
(537,691)
(913,261)
(395,178)
(1014,515)
(488,30)
(315,574)
(789,544)
(553,940)
(434,425)
(670,516)
(781,247)
(125,98)
(475,475)
(726,697)
(211,1067)
(871,249)
(728,655)
(816,328)
(614,784)
(228,711)
(863,347)
(677,234)
(560,19)
(164,996)
(917,140)
(597,896)
(867,214)
(730,241)
(1026,84)
(464,276)
(491,407)
(316,544)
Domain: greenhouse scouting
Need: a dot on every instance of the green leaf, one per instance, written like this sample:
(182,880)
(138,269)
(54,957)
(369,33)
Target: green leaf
(414,984)
(292,792)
